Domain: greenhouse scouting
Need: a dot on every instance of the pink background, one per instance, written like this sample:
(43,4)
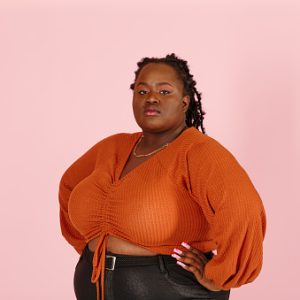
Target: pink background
(65,71)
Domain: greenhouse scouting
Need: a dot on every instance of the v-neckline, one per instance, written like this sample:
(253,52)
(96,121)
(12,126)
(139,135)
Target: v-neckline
(124,158)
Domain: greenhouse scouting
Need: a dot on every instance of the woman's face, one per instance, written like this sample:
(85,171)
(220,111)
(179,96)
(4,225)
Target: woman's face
(158,101)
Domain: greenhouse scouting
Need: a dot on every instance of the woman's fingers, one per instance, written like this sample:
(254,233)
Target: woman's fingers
(191,259)
(187,256)
(194,261)
(192,253)
(194,267)
(195,251)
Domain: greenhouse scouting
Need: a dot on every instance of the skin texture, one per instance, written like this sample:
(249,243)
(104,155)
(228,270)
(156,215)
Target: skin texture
(159,110)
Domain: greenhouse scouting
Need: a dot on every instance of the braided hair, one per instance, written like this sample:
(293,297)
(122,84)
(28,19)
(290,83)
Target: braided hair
(194,114)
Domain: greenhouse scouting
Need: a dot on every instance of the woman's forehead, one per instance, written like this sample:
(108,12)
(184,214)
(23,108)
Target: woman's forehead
(158,74)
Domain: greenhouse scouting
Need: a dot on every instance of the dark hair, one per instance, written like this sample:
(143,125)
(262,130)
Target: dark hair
(194,114)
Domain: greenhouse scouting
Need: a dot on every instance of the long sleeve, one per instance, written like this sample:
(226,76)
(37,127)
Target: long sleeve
(235,211)
(78,170)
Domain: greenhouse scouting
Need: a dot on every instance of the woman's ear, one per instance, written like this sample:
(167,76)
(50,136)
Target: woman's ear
(185,103)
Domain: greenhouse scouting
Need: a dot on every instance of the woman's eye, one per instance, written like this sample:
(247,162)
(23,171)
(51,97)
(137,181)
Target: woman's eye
(165,91)
(140,92)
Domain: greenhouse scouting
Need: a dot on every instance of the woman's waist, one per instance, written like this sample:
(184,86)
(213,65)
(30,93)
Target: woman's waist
(119,244)
(133,259)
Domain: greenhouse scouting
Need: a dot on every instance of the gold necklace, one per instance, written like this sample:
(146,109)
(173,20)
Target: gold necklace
(148,154)
(156,150)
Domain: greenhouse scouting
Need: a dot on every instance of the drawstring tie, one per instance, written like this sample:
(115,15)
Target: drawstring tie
(99,264)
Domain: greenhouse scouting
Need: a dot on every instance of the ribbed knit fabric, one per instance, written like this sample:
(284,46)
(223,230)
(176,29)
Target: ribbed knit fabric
(194,190)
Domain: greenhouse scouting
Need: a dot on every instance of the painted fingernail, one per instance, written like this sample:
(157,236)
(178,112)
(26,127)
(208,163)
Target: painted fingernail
(180,263)
(175,256)
(177,251)
(185,245)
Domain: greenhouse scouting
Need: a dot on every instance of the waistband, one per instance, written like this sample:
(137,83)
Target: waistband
(115,260)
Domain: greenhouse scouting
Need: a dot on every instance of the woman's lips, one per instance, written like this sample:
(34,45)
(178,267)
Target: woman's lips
(151,112)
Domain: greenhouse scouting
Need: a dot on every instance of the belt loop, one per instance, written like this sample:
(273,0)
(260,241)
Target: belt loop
(161,263)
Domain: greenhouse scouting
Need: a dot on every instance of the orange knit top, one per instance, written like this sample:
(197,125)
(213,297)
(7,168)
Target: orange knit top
(193,190)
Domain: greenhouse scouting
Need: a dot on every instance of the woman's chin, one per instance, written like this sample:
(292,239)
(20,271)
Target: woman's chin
(151,126)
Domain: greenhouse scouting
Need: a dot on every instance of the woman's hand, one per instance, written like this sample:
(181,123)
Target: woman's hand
(194,261)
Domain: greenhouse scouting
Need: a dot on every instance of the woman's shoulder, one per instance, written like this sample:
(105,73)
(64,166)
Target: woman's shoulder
(207,147)
(209,154)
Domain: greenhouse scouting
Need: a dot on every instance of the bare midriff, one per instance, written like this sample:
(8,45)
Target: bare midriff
(121,246)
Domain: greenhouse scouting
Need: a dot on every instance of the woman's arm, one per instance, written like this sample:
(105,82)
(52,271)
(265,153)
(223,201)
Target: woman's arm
(238,218)
(78,170)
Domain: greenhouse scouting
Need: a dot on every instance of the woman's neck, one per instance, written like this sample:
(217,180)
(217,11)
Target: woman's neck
(157,139)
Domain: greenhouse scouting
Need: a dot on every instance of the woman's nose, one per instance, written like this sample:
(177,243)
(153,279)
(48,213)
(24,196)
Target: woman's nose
(152,98)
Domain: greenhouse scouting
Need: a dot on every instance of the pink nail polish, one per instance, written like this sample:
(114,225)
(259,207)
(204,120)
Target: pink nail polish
(186,245)
(177,251)
(180,263)
(175,256)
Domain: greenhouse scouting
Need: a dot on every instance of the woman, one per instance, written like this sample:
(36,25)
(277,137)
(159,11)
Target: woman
(166,213)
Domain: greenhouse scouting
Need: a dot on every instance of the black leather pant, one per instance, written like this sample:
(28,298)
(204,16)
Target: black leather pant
(164,280)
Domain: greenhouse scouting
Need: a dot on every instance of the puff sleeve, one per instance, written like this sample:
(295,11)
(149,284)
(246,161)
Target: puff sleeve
(76,172)
(235,212)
